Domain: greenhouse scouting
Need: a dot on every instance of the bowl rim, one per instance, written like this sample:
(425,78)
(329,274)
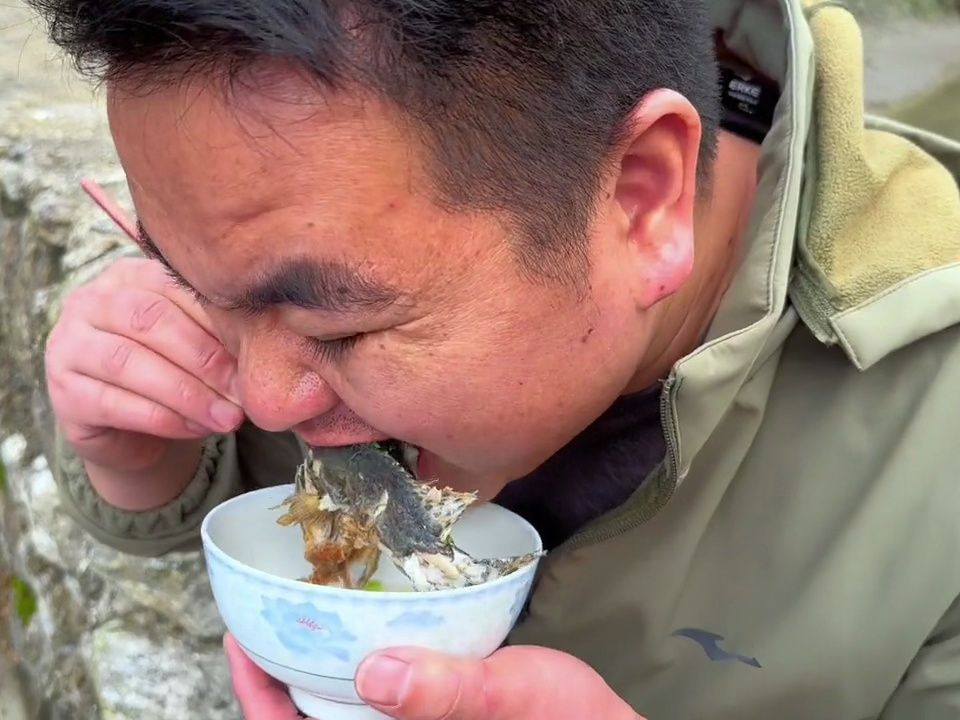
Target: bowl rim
(212,547)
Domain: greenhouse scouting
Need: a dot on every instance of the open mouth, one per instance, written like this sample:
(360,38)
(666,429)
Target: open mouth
(404,453)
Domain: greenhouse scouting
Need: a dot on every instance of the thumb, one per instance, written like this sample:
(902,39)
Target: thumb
(516,683)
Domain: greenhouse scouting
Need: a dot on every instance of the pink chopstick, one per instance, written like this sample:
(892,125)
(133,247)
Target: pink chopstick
(101,198)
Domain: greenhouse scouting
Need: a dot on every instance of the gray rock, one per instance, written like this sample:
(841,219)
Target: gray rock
(149,630)
(140,673)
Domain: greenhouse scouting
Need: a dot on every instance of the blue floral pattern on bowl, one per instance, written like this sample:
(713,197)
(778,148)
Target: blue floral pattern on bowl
(417,619)
(302,628)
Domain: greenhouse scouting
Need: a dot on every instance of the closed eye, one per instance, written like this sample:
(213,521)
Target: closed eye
(332,350)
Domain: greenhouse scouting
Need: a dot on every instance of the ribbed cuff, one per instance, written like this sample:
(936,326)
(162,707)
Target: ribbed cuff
(174,526)
(169,518)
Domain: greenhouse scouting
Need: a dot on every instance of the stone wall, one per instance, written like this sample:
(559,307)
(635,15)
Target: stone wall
(85,632)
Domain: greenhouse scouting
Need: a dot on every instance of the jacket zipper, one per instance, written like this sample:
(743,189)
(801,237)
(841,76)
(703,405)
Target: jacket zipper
(655,492)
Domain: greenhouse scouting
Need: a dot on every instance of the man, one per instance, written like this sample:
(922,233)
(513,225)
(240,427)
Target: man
(709,345)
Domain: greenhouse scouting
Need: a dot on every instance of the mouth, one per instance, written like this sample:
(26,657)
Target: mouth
(406,454)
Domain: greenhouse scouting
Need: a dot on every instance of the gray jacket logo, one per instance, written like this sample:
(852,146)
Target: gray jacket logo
(710,642)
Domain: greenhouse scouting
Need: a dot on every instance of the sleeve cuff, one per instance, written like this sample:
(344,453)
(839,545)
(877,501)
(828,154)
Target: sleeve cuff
(173,527)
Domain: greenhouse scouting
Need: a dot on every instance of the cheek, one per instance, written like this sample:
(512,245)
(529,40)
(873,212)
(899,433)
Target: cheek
(413,392)
(499,397)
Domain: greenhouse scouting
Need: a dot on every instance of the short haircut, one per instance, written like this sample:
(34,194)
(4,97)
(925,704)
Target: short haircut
(519,103)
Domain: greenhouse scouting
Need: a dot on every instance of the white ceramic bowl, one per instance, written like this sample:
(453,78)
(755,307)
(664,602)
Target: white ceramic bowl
(312,638)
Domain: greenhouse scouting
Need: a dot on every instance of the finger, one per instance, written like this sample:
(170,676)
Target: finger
(160,324)
(516,683)
(187,302)
(126,364)
(119,449)
(88,407)
(151,274)
(260,696)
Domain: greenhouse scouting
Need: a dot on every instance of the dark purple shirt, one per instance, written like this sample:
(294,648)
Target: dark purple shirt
(595,473)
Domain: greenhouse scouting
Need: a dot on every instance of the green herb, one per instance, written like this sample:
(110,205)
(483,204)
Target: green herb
(24,600)
(374,586)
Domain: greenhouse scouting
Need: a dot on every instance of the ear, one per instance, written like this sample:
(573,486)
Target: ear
(656,189)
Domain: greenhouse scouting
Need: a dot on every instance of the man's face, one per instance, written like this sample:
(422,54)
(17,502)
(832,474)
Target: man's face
(381,314)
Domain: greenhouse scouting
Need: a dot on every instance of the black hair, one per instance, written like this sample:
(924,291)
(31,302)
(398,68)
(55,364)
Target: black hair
(519,102)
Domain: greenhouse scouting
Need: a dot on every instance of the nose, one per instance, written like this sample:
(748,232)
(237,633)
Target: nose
(277,392)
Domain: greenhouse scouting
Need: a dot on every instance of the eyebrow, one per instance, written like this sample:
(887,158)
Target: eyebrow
(307,283)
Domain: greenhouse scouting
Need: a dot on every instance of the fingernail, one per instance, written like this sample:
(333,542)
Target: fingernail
(225,414)
(383,681)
